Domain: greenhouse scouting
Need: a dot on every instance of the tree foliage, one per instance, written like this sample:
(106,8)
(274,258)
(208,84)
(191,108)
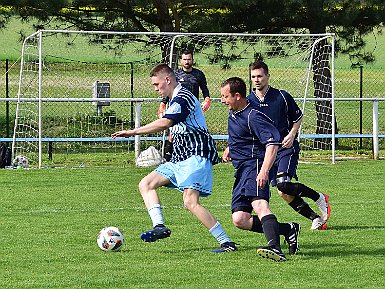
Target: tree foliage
(351,20)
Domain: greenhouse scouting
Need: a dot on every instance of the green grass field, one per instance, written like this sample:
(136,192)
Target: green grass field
(50,220)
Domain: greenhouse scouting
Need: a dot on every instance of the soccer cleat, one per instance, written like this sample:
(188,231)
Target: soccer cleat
(158,232)
(318,224)
(226,247)
(324,206)
(271,253)
(292,238)
(323,227)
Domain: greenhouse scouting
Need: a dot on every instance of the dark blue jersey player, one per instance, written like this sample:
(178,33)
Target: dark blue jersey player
(253,144)
(280,106)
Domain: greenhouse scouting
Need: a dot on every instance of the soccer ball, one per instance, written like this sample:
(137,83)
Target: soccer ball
(110,239)
(20,161)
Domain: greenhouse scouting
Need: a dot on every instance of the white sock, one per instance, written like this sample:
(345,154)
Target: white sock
(156,216)
(219,234)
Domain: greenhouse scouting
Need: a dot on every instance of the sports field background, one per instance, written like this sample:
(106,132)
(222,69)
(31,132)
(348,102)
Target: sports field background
(50,220)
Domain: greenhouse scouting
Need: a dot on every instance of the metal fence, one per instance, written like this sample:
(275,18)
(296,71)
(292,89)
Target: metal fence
(354,117)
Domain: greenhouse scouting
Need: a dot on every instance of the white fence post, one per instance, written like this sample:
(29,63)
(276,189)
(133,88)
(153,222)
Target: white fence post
(137,124)
(375,131)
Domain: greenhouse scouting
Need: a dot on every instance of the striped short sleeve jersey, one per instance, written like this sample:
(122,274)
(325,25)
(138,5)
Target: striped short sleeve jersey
(189,132)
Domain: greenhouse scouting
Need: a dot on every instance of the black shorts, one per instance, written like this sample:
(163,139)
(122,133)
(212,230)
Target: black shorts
(245,189)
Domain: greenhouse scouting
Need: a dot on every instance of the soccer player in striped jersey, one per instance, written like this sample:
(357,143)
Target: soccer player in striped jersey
(190,167)
(192,79)
(280,106)
(253,144)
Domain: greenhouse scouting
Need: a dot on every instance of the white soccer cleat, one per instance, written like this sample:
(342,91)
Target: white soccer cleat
(323,205)
(318,224)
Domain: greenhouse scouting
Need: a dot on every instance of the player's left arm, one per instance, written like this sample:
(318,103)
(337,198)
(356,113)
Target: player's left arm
(294,115)
(288,140)
(206,93)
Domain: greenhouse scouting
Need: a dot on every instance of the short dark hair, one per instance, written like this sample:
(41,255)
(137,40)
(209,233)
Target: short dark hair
(162,69)
(236,84)
(186,52)
(258,65)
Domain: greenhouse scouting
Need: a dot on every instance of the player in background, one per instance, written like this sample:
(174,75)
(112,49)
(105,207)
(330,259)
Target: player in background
(192,79)
(190,168)
(280,106)
(253,144)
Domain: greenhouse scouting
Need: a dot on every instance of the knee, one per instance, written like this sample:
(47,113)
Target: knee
(144,185)
(240,221)
(283,188)
(189,204)
(287,198)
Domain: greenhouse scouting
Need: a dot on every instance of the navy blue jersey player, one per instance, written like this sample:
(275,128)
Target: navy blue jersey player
(190,169)
(253,144)
(280,106)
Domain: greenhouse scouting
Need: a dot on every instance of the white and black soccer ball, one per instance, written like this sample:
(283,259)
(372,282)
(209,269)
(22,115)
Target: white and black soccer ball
(110,239)
(20,161)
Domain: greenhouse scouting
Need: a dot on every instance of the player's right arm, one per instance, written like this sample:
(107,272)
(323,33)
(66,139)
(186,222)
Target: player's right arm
(155,126)
(268,161)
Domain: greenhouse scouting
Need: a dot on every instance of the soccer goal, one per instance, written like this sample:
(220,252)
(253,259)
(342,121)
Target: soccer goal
(78,87)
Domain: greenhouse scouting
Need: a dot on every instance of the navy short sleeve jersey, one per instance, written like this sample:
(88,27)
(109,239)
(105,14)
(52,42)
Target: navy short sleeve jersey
(189,132)
(193,80)
(250,132)
(278,105)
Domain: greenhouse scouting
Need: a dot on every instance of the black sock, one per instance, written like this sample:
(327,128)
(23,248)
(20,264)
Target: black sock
(283,228)
(271,231)
(298,190)
(307,192)
(302,208)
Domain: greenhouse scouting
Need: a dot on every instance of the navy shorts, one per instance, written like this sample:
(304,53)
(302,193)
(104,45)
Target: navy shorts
(245,189)
(286,162)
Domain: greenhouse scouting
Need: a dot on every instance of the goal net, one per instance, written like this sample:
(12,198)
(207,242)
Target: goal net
(78,87)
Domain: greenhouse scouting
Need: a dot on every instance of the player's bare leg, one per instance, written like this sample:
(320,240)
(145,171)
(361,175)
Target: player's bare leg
(147,188)
(191,203)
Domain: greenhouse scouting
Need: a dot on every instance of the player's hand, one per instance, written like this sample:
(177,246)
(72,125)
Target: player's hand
(161,109)
(288,141)
(122,133)
(226,155)
(206,104)
(262,179)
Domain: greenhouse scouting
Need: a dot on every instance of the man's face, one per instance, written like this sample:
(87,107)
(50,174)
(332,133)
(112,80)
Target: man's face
(186,61)
(161,84)
(259,78)
(228,99)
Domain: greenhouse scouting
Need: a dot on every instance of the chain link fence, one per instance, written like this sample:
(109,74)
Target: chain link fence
(130,80)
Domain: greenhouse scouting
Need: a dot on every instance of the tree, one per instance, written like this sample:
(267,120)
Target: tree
(351,20)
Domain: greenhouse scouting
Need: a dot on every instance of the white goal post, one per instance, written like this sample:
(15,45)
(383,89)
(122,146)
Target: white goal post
(63,72)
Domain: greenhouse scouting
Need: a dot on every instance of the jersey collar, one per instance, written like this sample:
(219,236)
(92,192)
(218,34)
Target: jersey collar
(176,90)
(264,95)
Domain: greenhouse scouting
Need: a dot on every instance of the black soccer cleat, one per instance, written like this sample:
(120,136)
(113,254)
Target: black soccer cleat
(292,238)
(272,253)
(158,232)
(226,247)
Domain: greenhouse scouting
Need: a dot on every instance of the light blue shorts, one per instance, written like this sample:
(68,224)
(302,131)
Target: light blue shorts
(194,173)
